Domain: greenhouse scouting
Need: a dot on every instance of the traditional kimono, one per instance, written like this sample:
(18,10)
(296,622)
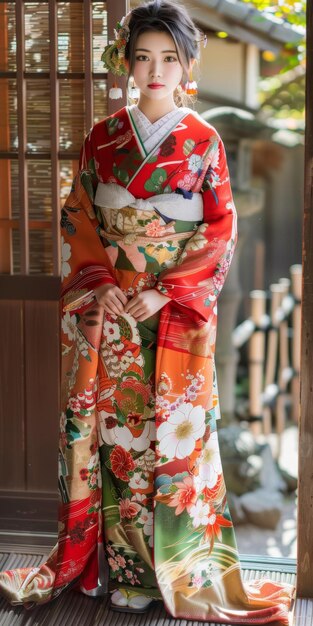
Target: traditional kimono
(143,502)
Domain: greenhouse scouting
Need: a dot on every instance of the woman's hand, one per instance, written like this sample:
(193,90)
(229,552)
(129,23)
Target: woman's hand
(146,304)
(111,298)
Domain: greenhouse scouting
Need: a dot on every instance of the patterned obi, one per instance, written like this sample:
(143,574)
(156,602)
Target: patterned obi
(145,235)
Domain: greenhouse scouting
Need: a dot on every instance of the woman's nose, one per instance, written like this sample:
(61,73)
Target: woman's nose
(156,69)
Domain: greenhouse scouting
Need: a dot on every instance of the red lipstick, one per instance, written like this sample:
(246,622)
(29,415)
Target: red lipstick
(155,86)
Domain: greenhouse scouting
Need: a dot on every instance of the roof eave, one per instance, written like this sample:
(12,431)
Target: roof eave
(244,22)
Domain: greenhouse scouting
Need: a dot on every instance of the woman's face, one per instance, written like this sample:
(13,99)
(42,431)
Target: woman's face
(157,71)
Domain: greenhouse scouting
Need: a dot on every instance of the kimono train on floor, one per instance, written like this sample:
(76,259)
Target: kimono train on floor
(143,502)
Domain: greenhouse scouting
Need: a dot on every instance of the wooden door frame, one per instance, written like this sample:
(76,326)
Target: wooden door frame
(305,500)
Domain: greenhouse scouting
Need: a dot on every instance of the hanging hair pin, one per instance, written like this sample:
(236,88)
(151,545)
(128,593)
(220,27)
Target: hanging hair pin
(115,92)
(191,87)
(134,92)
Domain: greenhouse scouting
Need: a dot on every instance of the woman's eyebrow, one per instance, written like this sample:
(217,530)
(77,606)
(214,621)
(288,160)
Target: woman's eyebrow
(162,51)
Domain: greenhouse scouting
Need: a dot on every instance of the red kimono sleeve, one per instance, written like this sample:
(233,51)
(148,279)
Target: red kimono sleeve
(84,264)
(195,283)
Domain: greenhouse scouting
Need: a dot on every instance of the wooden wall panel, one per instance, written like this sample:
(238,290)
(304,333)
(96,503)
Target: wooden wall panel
(12,435)
(41,327)
(33,513)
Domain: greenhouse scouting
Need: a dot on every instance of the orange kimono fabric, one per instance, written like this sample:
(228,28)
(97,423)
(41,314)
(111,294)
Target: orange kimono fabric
(143,501)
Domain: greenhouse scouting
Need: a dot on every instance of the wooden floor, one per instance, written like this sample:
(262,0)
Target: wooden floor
(75,609)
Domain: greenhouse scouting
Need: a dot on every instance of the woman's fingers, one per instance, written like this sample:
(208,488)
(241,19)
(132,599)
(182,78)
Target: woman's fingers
(132,305)
(113,304)
(142,318)
(117,302)
(107,292)
(136,310)
(111,308)
(121,296)
(111,298)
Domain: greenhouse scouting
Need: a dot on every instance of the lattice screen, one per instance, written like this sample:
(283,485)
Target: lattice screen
(52,89)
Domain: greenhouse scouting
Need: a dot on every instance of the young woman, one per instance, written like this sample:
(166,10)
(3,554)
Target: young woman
(148,234)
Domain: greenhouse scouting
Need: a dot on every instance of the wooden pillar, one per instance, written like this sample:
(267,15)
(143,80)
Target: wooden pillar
(296,287)
(272,354)
(256,360)
(305,501)
(5,165)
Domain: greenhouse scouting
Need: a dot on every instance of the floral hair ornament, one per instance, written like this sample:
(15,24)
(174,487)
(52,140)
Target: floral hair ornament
(113,56)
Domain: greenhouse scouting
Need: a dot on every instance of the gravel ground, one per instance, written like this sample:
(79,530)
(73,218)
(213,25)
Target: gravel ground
(281,542)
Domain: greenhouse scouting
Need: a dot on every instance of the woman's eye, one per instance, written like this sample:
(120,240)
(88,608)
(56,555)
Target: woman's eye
(141,57)
(170,59)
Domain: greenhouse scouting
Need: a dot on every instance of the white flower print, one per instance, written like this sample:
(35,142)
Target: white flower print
(93,461)
(121,435)
(111,331)
(65,256)
(114,436)
(146,518)
(199,513)
(178,435)
(118,347)
(143,441)
(126,360)
(69,325)
(93,479)
(138,482)
(82,345)
(139,497)
(210,466)
(195,163)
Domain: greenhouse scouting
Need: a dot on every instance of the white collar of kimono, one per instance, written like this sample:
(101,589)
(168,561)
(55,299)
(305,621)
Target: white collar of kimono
(151,133)
(172,205)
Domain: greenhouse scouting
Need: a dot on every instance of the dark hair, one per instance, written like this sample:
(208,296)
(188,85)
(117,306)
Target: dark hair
(164,16)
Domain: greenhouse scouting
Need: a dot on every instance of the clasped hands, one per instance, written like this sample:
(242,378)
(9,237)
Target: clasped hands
(140,306)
